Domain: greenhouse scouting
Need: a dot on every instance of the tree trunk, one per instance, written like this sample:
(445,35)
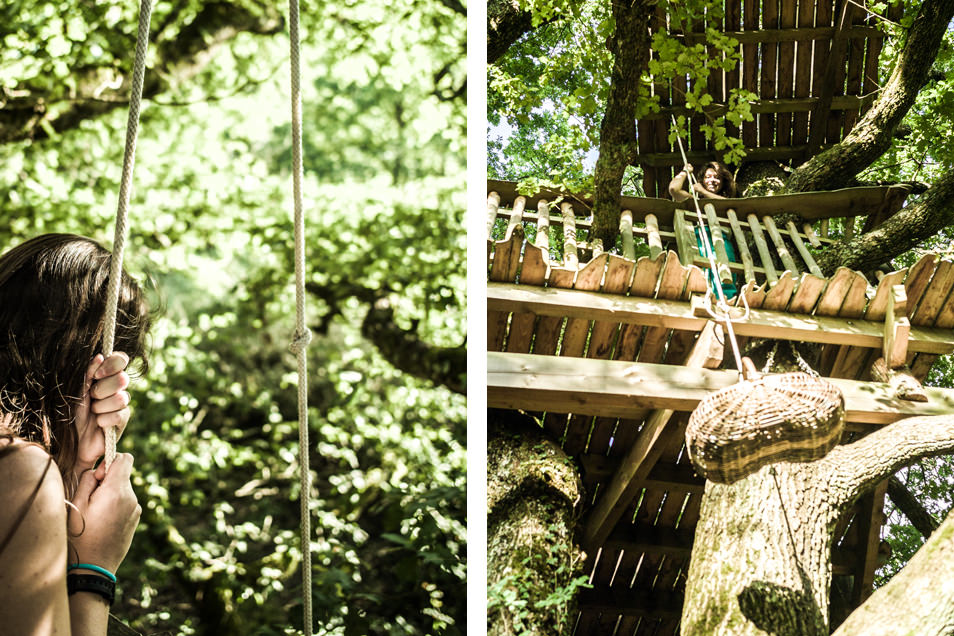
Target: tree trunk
(630,48)
(533,561)
(761,558)
(918,600)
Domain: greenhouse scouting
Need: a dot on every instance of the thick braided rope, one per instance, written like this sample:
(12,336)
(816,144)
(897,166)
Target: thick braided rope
(302,335)
(122,212)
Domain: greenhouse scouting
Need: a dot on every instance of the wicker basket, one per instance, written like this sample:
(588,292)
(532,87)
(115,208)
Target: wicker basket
(790,417)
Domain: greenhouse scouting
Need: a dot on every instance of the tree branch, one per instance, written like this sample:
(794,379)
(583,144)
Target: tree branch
(873,133)
(923,521)
(401,347)
(31,113)
(858,466)
(906,229)
(507,22)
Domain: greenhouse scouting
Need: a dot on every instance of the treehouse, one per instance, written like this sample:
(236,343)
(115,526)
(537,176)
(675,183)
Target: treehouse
(612,351)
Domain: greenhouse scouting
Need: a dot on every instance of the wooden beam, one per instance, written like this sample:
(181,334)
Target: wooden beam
(673,314)
(718,244)
(616,497)
(762,246)
(787,261)
(836,58)
(597,468)
(613,388)
(765,106)
(902,381)
(870,518)
(897,328)
(799,34)
(621,600)
(626,232)
(742,244)
(652,236)
(685,238)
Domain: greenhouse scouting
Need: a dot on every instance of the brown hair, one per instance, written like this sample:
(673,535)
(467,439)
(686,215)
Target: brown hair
(52,302)
(726,180)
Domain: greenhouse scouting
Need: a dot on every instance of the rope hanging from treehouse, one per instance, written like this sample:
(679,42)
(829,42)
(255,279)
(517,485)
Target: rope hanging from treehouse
(794,417)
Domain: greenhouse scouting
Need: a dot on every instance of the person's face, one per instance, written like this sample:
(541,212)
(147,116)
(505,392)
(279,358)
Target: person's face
(711,180)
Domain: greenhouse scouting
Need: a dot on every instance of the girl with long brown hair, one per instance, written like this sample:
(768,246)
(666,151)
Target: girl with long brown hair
(65,523)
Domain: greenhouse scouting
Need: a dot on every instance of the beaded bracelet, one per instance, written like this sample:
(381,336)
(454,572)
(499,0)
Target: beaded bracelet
(94,568)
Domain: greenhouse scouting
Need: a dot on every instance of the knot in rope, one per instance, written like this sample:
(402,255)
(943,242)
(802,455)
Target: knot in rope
(300,340)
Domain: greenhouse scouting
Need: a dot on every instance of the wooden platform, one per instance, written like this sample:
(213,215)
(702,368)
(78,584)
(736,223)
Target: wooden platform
(605,354)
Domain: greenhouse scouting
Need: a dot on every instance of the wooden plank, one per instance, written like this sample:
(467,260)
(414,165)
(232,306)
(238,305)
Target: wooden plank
(685,238)
(516,215)
(807,294)
(718,244)
(741,242)
(542,239)
(812,237)
(856,61)
(645,145)
(869,519)
(626,233)
(675,314)
(603,336)
(750,66)
(803,251)
(897,329)
(878,307)
(493,205)
(803,70)
(829,78)
(780,294)
(934,295)
(707,353)
(577,326)
(532,272)
(672,284)
(836,119)
(504,269)
(786,73)
(918,278)
(546,336)
(652,236)
(834,294)
(780,248)
(762,246)
(611,388)
(768,69)
(571,258)
(643,285)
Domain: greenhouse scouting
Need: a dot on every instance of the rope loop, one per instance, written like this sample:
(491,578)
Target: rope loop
(300,340)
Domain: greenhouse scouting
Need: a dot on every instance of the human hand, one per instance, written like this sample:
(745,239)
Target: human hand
(688,168)
(105,404)
(107,513)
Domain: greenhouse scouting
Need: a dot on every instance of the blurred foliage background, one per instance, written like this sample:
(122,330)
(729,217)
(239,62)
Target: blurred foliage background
(213,427)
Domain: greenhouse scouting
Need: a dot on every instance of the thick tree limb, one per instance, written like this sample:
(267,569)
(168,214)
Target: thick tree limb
(906,229)
(917,600)
(630,48)
(923,521)
(858,466)
(401,347)
(507,22)
(31,113)
(872,135)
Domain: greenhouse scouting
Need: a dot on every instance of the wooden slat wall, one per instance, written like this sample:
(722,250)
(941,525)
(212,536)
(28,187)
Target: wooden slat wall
(784,62)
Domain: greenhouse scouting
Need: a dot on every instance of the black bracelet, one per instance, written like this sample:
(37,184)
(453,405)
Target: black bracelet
(91,583)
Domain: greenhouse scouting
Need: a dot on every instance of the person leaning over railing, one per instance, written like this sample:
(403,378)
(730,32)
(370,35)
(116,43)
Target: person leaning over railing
(713,181)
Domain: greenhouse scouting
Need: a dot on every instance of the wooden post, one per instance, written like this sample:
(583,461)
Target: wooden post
(897,328)
(653,238)
(824,228)
(741,245)
(626,231)
(763,249)
(812,237)
(780,246)
(516,215)
(570,257)
(803,251)
(493,205)
(849,227)
(685,238)
(718,244)
(542,239)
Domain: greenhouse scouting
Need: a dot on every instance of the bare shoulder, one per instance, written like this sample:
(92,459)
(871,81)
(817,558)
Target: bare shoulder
(32,543)
(33,495)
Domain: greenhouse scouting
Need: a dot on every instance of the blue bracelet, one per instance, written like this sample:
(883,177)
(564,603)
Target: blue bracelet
(95,568)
